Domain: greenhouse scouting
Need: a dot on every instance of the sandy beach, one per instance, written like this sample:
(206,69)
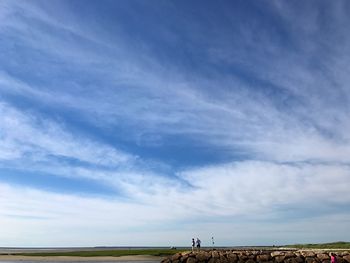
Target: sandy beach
(79,259)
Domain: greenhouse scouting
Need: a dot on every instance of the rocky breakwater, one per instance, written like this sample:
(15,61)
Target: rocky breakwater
(224,256)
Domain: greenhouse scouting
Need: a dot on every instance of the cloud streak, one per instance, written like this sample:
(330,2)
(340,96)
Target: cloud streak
(42,138)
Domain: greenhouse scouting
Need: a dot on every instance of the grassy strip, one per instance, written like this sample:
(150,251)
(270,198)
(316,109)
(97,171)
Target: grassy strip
(335,245)
(106,253)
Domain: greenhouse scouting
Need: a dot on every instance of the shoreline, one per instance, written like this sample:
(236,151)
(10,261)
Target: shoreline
(80,259)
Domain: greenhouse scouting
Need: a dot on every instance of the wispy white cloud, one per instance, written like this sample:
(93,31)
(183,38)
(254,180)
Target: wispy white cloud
(58,219)
(250,190)
(27,136)
(188,105)
(262,185)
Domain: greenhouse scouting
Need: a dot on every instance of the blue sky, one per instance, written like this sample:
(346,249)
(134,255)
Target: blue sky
(152,122)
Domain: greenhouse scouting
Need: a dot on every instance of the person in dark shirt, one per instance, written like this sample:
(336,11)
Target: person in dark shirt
(198,242)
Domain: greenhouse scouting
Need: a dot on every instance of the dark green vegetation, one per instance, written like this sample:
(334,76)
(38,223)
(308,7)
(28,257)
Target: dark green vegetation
(106,253)
(339,245)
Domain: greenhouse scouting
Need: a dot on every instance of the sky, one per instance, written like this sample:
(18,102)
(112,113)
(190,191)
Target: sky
(147,123)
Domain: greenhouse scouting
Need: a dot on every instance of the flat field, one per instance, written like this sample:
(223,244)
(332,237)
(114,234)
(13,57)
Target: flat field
(334,245)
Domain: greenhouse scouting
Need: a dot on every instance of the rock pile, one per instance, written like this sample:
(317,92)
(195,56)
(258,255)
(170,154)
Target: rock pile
(253,256)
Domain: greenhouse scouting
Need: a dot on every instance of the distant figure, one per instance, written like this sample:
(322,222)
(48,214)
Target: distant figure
(198,242)
(333,258)
(193,244)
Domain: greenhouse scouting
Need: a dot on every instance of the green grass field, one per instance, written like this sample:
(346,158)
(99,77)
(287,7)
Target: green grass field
(334,245)
(106,253)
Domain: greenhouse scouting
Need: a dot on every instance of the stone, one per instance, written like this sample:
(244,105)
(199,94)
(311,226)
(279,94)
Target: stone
(254,256)
(277,253)
(184,258)
(222,259)
(308,254)
(175,257)
(322,256)
(191,260)
(242,257)
(309,259)
(202,256)
(279,259)
(290,260)
(232,258)
(215,254)
(289,254)
(263,257)
(212,260)
(250,261)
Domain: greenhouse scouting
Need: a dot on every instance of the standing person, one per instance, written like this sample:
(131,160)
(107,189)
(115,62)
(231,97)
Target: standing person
(333,258)
(193,244)
(198,244)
